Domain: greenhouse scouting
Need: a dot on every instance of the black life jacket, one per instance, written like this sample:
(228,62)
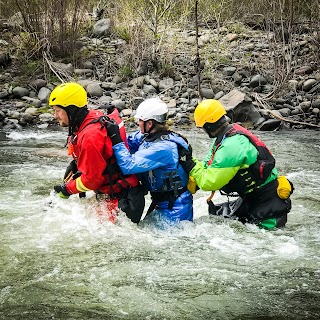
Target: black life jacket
(249,179)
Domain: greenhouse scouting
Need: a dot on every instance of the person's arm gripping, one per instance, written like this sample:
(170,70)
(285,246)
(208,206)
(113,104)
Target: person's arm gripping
(155,156)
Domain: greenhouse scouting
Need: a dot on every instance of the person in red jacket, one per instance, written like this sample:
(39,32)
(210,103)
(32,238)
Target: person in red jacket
(94,166)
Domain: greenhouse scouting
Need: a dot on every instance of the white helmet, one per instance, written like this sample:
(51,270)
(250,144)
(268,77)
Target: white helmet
(153,108)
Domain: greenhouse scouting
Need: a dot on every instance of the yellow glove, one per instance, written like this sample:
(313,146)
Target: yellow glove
(285,187)
(192,185)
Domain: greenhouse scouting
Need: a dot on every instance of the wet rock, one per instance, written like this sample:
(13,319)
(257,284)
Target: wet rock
(2,115)
(43,125)
(285,112)
(232,37)
(4,94)
(219,95)
(101,28)
(108,85)
(19,92)
(229,71)
(239,107)
(12,124)
(137,82)
(143,68)
(26,118)
(270,125)
(316,103)
(5,59)
(304,70)
(44,94)
(258,80)
(46,117)
(67,68)
(86,72)
(119,104)
(148,89)
(31,111)
(38,84)
(166,84)
(207,93)
(34,102)
(305,106)
(316,111)
(307,85)
(87,65)
(94,90)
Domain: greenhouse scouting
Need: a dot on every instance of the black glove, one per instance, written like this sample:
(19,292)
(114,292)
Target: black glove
(185,158)
(73,173)
(71,169)
(62,191)
(113,132)
(108,107)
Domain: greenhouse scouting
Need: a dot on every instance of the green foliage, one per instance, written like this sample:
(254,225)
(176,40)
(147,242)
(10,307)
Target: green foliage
(237,27)
(25,44)
(45,109)
(30,68)
(166,70)
(53,79)
(123,33)
(218,59)
(126,71)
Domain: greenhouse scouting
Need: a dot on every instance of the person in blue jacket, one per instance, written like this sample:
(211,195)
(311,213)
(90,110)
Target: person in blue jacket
(154,157)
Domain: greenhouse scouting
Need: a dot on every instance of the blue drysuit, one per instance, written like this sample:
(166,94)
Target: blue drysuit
(156,163)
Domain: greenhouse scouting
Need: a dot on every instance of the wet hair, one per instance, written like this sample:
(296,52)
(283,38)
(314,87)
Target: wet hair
(160,126)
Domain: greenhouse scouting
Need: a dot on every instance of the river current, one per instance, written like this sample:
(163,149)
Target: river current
(60,260)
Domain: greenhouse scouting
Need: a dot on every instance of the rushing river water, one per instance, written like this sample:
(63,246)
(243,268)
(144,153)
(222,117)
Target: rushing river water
(59,260)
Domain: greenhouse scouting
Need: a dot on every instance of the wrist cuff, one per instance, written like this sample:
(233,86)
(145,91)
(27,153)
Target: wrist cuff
(116,139)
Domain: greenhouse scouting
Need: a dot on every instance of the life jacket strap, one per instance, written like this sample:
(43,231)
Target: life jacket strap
(161,196)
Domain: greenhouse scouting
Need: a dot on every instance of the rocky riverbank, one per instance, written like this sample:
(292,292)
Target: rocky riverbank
(239,68)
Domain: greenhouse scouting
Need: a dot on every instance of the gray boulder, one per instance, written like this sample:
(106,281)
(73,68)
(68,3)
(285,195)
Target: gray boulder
(240,108)
(20,92)
(101,28)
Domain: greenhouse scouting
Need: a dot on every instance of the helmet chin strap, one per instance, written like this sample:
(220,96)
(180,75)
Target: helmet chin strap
(147,132)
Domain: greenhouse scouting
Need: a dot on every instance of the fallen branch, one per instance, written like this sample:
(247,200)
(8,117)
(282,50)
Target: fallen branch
(266,107)
(294,121)
(59,73)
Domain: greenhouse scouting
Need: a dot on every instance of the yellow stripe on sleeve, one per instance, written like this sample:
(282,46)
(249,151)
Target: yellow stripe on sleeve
(80,186)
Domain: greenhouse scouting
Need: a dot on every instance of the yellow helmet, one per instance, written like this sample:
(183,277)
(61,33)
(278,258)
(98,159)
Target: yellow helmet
(68,94)
(209,110)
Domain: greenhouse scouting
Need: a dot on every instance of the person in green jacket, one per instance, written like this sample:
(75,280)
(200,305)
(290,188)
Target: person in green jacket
(238,163)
